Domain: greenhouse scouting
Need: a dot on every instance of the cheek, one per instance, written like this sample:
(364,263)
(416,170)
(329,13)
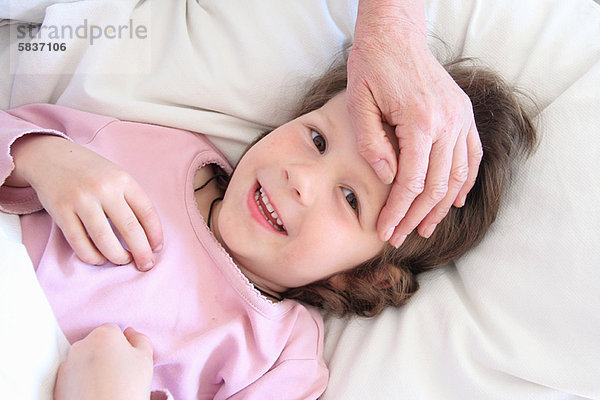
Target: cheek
(232,223)
(226,226)
(283,141)
(273,150)
(327,244)
(342,244)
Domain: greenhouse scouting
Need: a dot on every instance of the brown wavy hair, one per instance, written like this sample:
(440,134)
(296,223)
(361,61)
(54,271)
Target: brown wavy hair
(507,135)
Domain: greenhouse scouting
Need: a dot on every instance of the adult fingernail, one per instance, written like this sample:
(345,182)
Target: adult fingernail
(388,233)
(428,231)
(397,240)
(383,171)
(157,248)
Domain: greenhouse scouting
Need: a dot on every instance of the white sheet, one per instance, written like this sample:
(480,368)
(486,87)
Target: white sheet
(519,316)
(31,343)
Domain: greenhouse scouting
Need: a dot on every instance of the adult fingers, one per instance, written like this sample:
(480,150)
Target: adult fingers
(100,232)
(435,189)
(457,179)
(475,154)
(372,141)
(412,169)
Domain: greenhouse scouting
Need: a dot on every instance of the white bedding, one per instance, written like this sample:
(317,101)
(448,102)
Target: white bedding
(516,318)
(31,343)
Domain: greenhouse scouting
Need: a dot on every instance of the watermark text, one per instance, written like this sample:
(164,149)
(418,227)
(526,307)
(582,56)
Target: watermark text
(85,30)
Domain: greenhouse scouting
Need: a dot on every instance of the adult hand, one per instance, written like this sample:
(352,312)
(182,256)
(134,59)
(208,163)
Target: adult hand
(394,78)
(107,364)
(81,190)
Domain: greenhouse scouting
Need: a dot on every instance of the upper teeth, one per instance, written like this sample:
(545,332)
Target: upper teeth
(270,209)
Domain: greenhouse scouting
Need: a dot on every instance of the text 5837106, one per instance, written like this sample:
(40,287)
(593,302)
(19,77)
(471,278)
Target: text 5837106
(41,46)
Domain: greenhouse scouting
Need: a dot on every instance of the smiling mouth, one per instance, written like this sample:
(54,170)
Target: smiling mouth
(267,210)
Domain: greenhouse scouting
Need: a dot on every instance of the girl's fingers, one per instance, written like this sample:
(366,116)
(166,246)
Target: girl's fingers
(144,210)
(79,241)
(130,229)
(139,341)
(90,231)
(100,232)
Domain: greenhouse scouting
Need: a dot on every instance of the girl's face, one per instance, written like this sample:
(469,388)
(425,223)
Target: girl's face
(302,204)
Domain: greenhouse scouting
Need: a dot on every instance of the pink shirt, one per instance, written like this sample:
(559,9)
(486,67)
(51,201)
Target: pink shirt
(214,335)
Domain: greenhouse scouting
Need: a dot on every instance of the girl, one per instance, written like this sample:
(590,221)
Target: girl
(297,221)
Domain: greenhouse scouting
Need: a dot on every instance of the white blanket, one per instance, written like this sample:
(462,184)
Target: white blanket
(31,343)
(518,317)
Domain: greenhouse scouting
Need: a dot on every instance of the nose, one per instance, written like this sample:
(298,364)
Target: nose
(303,181)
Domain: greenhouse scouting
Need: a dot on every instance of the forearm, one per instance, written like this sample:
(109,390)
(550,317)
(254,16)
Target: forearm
(20,126)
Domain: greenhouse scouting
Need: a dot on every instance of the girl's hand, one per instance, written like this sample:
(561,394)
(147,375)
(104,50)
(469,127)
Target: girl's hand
(107,364)
(81,190)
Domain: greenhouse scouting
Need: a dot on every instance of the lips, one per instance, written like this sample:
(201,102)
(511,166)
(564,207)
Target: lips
(267,210)
(259,210)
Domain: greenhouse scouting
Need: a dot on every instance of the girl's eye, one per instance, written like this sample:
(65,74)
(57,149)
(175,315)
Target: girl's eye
(319,141)
(351,199)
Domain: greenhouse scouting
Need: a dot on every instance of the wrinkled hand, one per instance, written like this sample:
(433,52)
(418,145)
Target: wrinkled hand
(394,78)
(82,190)
(107,365)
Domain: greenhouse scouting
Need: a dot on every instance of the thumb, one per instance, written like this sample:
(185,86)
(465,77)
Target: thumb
(139,341)
(371,139)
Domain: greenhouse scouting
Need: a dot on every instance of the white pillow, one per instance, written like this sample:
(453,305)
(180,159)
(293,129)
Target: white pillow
(519,316)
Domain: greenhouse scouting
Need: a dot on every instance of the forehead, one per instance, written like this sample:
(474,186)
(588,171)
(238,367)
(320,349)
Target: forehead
(372,192)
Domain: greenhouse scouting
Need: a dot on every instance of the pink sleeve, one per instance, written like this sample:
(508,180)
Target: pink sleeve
(292,379)
(43,119)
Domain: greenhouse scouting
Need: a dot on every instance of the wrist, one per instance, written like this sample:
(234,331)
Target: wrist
(385,25)
(404,16)
(24,154)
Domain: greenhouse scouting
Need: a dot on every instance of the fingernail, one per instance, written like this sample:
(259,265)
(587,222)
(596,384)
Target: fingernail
(397,241)
(148,266)
(127,261)
(428,231)
(157,248)
(383,171)
(388,234)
